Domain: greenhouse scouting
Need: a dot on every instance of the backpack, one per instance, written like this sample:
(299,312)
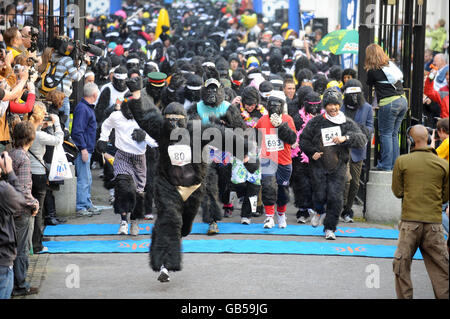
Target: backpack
(48,80)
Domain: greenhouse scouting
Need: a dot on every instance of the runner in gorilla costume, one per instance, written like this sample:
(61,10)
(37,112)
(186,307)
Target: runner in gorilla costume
(180,178)
(219,172)
(301,171)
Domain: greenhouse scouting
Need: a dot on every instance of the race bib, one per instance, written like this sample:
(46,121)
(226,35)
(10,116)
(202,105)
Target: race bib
(329,133)
(273,143)
(180,155)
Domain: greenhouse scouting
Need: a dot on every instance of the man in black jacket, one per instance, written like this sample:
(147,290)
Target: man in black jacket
(12,200)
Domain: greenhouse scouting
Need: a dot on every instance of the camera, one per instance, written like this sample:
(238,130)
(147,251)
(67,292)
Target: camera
(18,68)
(34,35)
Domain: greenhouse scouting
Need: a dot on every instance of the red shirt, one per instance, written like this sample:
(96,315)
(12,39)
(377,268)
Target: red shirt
(272,147)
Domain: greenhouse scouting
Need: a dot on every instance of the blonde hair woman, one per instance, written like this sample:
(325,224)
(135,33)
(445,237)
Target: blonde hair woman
(387,79)
(39,120)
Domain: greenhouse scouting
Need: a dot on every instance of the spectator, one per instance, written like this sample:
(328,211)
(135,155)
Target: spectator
(440,97)
(12,201)
(421,217)
(66,70)
(387,79)
(442,67)
(442,151)
(23,137)
(84,135)
(13,40)
(38,167)
(438,36)
(428,59)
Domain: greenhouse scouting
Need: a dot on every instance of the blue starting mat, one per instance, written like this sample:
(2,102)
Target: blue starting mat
(230,246)
(225,228)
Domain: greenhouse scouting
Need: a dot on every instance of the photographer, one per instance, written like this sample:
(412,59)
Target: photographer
(30,43)
(67,70)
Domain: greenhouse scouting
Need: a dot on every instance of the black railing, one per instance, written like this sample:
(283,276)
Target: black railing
(409,18)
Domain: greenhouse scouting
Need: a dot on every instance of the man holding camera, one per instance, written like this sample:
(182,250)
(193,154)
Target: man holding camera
(67,70)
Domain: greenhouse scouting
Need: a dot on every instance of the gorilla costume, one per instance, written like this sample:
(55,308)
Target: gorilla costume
(180,179)
(301,171)
(219,171)
(329,171)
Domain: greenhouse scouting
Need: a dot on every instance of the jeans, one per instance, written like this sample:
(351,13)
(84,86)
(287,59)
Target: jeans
(390,118)
(23,249)
(6,281)
(84,183)
(66,108)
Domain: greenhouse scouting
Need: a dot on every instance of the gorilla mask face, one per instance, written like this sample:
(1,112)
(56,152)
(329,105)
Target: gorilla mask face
(119,82)
(103,68)
(353,98)
(175,116)
(212,94)
(313,108)
(275,106)
(193,95)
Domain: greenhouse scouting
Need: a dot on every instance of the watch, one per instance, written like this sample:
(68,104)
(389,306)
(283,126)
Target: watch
(347,138)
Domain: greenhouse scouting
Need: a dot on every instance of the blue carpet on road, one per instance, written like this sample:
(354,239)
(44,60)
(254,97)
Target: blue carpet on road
(225,228)
(229,246)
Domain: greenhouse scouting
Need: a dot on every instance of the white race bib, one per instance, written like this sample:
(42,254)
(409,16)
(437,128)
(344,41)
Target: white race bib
(329,133)
(273,143)
(180,155)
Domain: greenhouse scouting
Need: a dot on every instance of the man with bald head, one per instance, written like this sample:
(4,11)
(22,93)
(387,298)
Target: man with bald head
(440,63)
(421,179)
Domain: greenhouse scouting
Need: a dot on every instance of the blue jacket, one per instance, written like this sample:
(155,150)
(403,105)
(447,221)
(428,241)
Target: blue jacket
(84,126)
(363,117)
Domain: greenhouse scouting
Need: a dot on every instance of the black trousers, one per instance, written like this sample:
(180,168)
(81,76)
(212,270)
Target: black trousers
(246,190)
(328,193)
(301,182)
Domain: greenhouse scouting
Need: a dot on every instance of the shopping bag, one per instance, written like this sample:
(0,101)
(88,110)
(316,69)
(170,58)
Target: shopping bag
(59,168)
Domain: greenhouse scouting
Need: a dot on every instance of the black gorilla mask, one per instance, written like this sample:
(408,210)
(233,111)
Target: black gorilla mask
(275,106)
(119,85)
(212,95)
(313,108)
(352,101)
(154,92)
(103,68)
(175,116)
(193,96)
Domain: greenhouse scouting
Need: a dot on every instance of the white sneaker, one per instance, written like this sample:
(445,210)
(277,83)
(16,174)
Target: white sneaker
(269,222)
(315,220)
(281,220)
(149,217)
(163,275)
(245,221)
(301,220)
(134,228)
(123,229)
(347,219)
(329,235)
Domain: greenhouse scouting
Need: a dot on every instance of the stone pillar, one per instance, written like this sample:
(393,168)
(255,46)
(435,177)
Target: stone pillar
(382,205)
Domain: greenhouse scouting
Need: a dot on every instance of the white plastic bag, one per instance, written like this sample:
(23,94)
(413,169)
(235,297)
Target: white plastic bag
(59,169)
